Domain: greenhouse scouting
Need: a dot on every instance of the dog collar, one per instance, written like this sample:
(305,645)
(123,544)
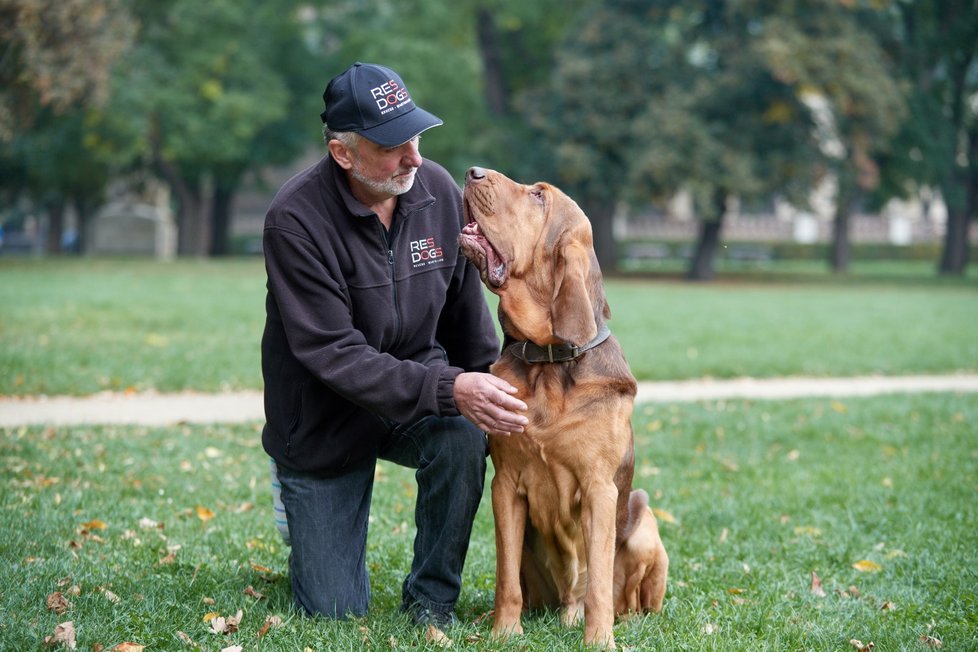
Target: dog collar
(534,353)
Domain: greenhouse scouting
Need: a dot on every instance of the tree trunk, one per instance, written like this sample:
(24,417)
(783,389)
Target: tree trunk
(954,257)
(56,225)
(601,215)
(702,267)
(840,251)
(497,95)
(962,204)
(86,211)
(221,204)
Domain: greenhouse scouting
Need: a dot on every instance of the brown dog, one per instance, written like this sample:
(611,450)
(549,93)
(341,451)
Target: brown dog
(570,531)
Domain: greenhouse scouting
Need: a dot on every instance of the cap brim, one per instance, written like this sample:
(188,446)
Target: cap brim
(402,128)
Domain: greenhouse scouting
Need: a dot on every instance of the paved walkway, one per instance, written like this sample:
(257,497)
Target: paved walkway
(162,409)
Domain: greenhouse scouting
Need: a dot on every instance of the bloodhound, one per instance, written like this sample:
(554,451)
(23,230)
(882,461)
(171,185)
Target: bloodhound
(571,533)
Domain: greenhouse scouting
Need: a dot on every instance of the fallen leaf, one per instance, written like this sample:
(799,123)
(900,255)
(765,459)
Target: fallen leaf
(109,595)
(930,641)
(63,633)
(867,566)
(212,452)
(709,628)
(232,648)
(204,514)
(229,625)
(438,637)
(887,606)
(207,600)
(839,407)
(663,515)
(95,525)
(270,621)
(817,589)
(211,615)
(808,530)
(58,603)
(251,592)
(128,647)
(260,568)
(856,643)
(186,639)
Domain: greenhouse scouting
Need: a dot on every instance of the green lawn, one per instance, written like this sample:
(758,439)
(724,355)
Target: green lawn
(152,533)
(146,531)
(84,326)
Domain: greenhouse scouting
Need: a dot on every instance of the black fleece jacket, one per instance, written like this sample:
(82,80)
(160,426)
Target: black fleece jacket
(365,328)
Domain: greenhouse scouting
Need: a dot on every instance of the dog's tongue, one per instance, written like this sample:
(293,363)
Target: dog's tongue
(495,267)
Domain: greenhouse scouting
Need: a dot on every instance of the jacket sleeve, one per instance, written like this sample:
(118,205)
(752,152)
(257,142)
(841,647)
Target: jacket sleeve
(319,329)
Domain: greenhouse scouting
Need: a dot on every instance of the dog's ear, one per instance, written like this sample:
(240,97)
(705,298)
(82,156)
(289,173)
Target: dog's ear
(572,312)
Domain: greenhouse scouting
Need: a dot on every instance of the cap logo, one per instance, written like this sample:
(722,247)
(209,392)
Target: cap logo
(389,96)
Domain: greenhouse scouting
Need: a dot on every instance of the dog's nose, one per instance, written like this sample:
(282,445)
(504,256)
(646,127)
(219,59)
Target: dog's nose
(475,174)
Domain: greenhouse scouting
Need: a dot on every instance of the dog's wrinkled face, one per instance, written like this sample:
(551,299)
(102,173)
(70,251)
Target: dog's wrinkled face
(505,223)
(532,245)
(510,224)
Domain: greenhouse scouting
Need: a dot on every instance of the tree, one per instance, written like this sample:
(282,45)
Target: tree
(208,82)
(56,54)
(651,98)
(839,69)
(937,48)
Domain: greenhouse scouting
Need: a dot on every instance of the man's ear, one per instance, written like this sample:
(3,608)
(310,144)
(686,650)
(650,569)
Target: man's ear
(341,154)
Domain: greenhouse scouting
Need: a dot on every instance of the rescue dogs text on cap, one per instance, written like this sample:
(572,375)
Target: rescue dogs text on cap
(374,102)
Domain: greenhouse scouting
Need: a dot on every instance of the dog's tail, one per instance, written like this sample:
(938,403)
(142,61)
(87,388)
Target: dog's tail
(638,502)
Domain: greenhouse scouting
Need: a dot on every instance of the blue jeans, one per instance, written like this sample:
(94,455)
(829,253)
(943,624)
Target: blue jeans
(327,520)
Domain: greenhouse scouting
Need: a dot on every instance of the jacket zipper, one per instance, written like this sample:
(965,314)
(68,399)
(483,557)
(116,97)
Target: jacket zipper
(388,241)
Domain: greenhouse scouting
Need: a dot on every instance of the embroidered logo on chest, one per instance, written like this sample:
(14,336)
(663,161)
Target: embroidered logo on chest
(425,252)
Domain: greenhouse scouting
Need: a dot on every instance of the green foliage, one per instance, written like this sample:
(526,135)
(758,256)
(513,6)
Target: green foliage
(761,495)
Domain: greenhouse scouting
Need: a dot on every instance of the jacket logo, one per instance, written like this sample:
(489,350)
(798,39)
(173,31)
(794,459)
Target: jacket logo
(425,252)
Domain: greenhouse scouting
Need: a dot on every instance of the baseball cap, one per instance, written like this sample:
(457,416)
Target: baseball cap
(374,102)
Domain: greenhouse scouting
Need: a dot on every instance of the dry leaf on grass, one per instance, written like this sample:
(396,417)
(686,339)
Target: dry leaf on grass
(867,566)
(128,647)
(251,592)
(663,515)
(204,514)
(438,637)
(270,621)
(817,589)
(63,633)
(58,603)
(856,643)
(930,641)
(222,625)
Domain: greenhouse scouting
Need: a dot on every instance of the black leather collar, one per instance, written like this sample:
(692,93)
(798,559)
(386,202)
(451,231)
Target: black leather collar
(534,353)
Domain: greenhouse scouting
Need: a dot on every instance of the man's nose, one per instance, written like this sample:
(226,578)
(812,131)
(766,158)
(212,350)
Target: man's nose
(412,153)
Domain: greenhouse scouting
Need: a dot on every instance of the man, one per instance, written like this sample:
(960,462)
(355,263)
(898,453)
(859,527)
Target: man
(377,344)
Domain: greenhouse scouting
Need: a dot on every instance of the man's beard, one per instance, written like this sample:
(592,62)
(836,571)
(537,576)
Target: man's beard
(389,186)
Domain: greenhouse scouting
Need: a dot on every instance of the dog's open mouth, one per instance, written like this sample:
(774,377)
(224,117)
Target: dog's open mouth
(480,251)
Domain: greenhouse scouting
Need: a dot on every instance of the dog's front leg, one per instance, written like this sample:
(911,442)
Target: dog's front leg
(509,510)
(598,520)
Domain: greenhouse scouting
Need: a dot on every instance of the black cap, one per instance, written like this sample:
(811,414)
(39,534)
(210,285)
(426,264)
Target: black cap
(374,102)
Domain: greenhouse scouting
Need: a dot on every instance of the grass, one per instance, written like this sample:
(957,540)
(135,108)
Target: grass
(122,325)
(150,531)
(754,497)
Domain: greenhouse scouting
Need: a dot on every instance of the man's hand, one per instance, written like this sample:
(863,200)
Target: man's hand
(488,402)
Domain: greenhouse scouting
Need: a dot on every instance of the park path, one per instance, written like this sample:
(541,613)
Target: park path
(235,407)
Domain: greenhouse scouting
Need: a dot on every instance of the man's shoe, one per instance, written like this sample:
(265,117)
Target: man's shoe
(422,617)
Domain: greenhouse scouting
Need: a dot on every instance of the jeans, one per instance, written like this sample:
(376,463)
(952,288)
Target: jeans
(327,520)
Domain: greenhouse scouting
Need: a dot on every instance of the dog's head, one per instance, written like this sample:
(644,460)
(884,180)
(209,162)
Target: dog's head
(534,249)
